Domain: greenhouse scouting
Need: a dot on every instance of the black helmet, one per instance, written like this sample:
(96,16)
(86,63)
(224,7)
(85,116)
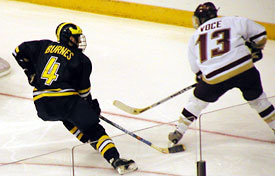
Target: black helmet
(203,13)
(71,34)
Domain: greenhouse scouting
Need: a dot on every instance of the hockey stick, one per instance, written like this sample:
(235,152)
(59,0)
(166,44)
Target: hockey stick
(173,149)
(135,111)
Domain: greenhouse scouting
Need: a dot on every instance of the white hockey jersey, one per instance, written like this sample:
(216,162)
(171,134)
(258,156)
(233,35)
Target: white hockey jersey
(218,50)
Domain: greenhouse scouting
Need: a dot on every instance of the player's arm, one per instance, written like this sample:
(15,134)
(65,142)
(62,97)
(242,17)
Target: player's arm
(253,32)
(192,61)
(255,36)
(24,54)
(84,70)
(85,85)
(256,43)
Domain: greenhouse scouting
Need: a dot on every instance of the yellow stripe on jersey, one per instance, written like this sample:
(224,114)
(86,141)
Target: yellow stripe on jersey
(48,89)
(84,90)
(230,74)
(54,94)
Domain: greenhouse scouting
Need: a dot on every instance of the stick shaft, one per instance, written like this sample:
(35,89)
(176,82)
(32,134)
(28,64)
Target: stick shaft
(126,131)
(136,111)
(173,95)
(162,150)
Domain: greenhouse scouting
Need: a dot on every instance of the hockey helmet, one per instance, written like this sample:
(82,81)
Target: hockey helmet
(203,13)
(71,34)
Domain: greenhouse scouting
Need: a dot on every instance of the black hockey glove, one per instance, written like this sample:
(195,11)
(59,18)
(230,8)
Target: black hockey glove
(95,106)
(256,53)
(26,66)
(31,77)
(198,76)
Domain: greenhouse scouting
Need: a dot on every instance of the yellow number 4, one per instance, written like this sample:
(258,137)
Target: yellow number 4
(50,71)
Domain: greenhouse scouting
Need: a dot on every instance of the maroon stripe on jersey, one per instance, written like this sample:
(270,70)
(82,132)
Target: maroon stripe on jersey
(229,66)
(258,35)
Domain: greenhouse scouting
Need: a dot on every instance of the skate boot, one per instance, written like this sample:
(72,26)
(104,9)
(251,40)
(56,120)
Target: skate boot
(182,126)
(123,166)
(175,136)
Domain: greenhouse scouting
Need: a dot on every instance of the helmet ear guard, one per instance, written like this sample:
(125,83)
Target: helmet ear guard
(196,22)
(65,32)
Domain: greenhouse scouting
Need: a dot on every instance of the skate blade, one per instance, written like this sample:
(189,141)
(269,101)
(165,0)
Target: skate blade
(124,170)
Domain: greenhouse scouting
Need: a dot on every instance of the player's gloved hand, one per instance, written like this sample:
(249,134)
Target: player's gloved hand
(95,106)
(31,77)
(198,76)
(256,53)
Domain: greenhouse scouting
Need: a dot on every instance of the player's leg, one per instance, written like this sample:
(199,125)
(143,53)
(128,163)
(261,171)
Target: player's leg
(104,144)
(190,113)
(203,95)
(80,119)
(86,127)
(253,93)
(75,131)
(265,110)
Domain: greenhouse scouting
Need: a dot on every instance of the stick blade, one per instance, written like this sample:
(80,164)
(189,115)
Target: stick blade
(177,148)
(126,108)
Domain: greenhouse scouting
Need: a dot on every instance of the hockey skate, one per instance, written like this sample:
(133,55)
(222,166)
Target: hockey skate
(175,136)
(123,166)
(182,126)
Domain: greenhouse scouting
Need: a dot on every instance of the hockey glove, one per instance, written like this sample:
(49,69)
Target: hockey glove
(26,66)
(256,53)
(31,77)
(198,76)
(95,106)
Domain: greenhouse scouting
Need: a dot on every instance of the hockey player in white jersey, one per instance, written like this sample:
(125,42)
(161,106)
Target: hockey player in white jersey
(221,53)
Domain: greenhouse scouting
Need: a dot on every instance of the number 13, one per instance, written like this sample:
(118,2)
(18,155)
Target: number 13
(224,41)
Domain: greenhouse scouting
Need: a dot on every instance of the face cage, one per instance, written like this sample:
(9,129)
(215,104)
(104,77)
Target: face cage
(82,42)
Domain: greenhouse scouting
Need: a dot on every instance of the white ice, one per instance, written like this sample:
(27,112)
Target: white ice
(138,63)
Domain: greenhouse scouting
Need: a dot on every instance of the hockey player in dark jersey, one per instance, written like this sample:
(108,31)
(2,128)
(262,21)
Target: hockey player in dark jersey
(60,75)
